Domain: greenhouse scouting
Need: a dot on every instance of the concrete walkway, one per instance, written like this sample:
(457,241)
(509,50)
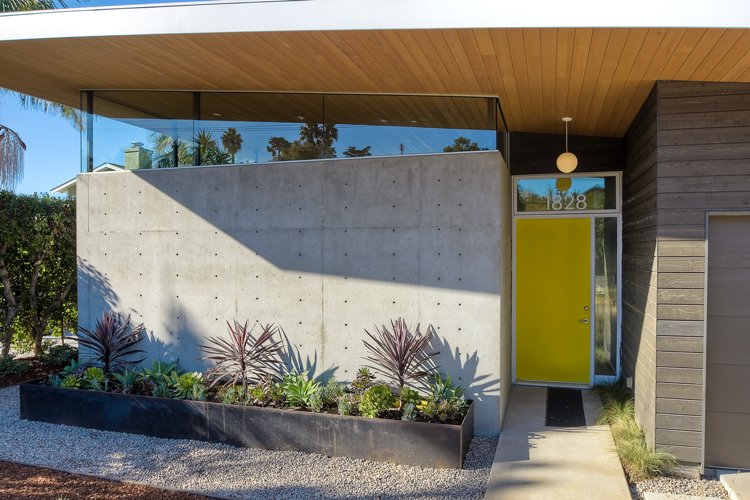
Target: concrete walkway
(737,484)
(538,462)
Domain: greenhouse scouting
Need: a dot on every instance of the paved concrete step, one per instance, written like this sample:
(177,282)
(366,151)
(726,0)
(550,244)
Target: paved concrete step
(737,484)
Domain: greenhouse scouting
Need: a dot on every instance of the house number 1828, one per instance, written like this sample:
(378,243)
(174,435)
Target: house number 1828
(567,202)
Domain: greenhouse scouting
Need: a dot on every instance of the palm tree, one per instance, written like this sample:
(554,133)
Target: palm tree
(12,148)
(232,141)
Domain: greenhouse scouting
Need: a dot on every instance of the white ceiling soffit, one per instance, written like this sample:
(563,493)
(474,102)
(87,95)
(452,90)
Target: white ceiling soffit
(227,16)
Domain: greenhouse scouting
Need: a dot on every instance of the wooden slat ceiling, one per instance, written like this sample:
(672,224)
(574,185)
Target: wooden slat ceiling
(599,76)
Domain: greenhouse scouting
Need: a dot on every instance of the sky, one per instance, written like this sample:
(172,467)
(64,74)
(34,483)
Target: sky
(53,152)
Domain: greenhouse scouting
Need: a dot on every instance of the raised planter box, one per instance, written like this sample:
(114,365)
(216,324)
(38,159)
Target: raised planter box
(411,443)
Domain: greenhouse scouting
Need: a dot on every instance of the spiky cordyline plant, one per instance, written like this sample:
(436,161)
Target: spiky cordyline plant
(399,354)
(242,356)
(112,340)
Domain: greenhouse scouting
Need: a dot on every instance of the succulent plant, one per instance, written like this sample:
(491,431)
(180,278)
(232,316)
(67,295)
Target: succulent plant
(188,386)
(332,391)
(345,404)
(316,401)
(266,392)
(95,379)
(127,380)
(376,400)
(409,396)
(298,389)
(242,357)
(112,341)
(70,382)
(365,379)
(409,412)
(400,355)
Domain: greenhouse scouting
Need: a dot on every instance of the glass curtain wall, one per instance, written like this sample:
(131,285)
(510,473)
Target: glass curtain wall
(150,129)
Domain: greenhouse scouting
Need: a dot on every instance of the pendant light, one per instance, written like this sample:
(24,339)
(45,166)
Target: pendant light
(567,162)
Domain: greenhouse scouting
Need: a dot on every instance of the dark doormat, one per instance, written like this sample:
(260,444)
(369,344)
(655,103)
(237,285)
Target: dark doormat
(564,408)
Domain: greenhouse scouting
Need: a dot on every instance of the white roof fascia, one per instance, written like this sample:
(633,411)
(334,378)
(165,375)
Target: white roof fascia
(62,187)
(231,16)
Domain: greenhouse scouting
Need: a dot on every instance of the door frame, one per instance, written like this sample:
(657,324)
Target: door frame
(577,214)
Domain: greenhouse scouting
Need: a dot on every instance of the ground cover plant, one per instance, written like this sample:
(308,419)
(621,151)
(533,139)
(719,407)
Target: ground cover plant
(248,370)
(618,411)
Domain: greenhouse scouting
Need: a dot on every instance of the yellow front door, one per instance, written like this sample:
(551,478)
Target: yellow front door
(553,293)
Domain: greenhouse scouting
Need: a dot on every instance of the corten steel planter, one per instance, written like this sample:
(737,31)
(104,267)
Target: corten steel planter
(410,443)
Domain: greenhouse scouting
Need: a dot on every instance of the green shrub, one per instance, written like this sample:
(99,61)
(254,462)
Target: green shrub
(317,402)
(332,391)
(409,412)
(408,396)
(345,404)
(638,460)
(266,392)
(365,379)
(94,379)
(57,356)
(70,382)
(188,386)
(298,389)
(11,367)
(127,380)
(376,400)
(233,395)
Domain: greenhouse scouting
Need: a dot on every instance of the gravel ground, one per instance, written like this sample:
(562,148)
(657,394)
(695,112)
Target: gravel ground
(221,470)
(681,486)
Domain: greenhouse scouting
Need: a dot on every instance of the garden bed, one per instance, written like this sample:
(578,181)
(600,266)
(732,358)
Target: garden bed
(410,443)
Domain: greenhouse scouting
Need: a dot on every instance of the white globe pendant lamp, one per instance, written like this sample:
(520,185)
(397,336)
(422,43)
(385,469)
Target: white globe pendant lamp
(567,162)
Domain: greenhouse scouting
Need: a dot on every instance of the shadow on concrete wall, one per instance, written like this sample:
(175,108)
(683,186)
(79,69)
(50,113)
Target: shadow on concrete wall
(463,369)
(293,359)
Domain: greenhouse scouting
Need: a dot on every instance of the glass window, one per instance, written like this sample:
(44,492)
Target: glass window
(605,296)
(150,129)
(143,129)
(566,194)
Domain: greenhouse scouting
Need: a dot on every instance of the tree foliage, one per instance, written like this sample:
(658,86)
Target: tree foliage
(352,152)
(315,141)
(37,263)
(12,148)
(461,144)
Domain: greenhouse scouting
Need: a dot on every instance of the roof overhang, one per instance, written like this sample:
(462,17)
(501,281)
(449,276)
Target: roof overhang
(543,60)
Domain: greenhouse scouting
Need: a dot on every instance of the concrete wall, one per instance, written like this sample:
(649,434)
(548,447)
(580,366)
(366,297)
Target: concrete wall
(324,248)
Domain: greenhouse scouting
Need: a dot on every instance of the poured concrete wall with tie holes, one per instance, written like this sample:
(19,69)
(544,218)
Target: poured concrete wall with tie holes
(325,249)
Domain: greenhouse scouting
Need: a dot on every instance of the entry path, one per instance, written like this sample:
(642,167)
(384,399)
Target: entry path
(533,461)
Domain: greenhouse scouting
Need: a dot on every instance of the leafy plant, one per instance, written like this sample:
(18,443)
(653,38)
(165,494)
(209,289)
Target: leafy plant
(112,341)
(446,401)
(266,392)
(345,404)
(409,412)
(364,380)
(242,356)
(639,461)
(233,395)
(298,389)
(443,389)
(317,401)
(159,371)
(74,368)
(10,367)
(399,354)
(70,382)
(332,391)
(188,386)
(409,396)
(95,379)
(376,400)
(127,380)
(58,356)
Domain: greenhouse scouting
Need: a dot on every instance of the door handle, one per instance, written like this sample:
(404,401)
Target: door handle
(584,321)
